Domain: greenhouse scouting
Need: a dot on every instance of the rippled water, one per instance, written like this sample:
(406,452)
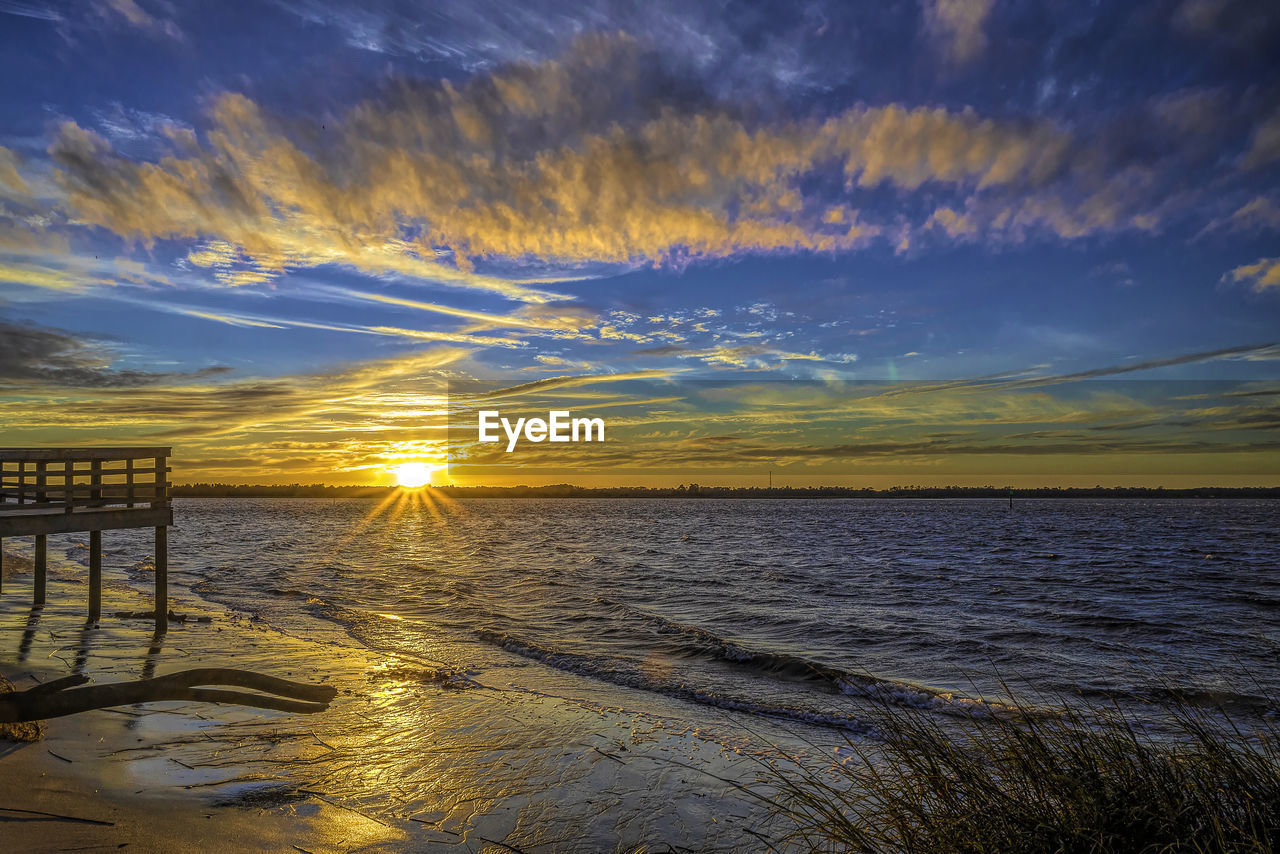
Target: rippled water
(799,609)
(594,675)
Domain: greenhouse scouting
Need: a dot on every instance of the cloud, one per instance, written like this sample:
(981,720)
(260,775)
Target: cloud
(1258,214)
(662,350)
(1243,351)
(11,183)
(270,322)
(958,26)
(375,407)
(263,206)
(764,47)
(38,11)
(1261,275)
(1195,110)
(588,158)
(128,125)
(484,392)
(1264,147)
(953,223)
(751,357)
(39,278)
(1237,25)
(1021,379)
(726,424)
(39,259)
(36,357)
(130,12)
(548,363)
(533,317)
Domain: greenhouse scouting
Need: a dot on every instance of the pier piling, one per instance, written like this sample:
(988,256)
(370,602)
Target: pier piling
(95,576)
(162,578)
(41,566)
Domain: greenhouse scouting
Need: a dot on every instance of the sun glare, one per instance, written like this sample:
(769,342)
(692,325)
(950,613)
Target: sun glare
(413,475)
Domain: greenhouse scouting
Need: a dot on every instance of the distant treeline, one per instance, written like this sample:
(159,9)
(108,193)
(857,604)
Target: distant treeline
(693,490)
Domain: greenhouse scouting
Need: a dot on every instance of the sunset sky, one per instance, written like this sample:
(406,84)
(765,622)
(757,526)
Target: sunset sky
(956,241)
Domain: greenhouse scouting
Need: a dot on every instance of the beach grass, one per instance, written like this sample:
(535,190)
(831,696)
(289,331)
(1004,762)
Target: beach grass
(1075,780)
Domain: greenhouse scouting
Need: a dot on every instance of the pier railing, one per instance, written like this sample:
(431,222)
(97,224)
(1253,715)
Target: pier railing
(67,490)
(83,477)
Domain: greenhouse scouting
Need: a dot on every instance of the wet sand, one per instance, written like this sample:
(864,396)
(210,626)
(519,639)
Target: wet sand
(98,780)
(60,795)
(409,756)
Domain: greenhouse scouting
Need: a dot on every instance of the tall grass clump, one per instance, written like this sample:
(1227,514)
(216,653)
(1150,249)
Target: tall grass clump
(1027,780)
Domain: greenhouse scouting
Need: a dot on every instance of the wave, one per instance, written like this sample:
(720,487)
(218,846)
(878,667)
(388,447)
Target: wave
(796,667)
(620,673)
(1225,700)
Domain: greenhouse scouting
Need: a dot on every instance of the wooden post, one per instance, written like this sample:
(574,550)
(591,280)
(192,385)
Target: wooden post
(95,576)
(95,546)
(41,544)
(1,566)
(128,482)
(38,599)
(162,578)
(68,484)
(161,498)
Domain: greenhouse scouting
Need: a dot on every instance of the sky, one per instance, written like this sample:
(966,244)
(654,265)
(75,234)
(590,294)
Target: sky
(861,243)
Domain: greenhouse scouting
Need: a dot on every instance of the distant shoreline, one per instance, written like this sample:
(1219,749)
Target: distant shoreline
(221,490)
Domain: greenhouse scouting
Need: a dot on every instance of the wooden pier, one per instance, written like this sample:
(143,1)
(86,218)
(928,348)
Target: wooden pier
(47,491)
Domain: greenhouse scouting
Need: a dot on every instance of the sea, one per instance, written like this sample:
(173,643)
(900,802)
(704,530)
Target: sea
(599,627)
(778,607)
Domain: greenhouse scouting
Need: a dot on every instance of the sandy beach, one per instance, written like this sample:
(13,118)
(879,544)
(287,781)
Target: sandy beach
(62,794)
(407,757)
(81,786)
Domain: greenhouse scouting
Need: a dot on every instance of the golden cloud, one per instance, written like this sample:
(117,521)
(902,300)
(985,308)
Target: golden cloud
(1261,275)
(11,183)
(553,162)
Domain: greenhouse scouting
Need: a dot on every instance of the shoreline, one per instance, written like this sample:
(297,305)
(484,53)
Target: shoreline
(71,789)
(408,754)
(440,737)
(998,493)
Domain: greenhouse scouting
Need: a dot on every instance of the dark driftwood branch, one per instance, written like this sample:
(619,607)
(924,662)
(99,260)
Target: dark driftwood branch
(60,697)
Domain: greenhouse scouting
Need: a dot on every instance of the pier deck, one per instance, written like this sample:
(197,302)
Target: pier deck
(47,491)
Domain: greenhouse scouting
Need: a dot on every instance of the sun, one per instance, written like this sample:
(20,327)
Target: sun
(413,475)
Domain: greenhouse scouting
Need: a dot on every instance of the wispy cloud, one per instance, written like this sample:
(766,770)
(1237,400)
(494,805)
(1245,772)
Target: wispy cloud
(958,26)
(477,391)
(39,11)
(1264,148)
(528,317)
(1261,275)
(132,13)
(1028,379)
(233,318)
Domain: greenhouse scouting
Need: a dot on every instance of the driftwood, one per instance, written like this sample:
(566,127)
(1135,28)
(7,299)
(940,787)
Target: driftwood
(61,696)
